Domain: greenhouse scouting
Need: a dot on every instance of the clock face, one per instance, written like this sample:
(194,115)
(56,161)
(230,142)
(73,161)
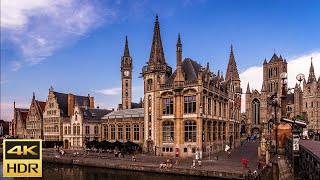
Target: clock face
(126,73)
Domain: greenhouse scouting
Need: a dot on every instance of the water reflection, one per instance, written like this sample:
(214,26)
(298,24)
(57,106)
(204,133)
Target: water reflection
(70,172)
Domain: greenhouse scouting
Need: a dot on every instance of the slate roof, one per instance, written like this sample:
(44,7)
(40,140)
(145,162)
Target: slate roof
(136,105)
(275,58)
(89,112)
(63,101)
(190,69)
(138,112)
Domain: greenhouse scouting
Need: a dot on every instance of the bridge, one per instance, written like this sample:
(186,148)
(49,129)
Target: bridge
(308,160)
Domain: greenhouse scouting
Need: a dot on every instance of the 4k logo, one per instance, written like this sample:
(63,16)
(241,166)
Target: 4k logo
(22,158)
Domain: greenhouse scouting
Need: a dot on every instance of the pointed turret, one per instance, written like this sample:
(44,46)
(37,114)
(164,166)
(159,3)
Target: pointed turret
(263,88)
(179,75)
(156,53)
(312,76)
(33,96)
(265,61)
(248,89)
(232,71)
(126,49)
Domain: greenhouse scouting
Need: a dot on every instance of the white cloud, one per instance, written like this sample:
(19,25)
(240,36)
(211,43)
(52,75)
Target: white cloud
(7,109)
(111,91)
(39,27)
(15,65)
(296,65)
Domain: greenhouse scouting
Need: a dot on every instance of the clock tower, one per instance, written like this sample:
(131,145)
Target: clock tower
(126,77)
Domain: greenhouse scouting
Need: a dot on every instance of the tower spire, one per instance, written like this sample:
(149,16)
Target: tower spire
(179,75)
(156,52)
(312,76)
(232,71)
(248,89)
(126,48)
(33,96)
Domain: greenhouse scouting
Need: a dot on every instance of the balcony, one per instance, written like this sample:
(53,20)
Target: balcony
(156,67)
(178,85)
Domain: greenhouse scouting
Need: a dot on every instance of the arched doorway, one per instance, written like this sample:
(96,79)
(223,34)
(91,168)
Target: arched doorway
(230,141)
(66,144)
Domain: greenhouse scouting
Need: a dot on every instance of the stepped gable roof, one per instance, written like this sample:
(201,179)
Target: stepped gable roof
(93,112)
(190,68)
(63,101)
(126,113)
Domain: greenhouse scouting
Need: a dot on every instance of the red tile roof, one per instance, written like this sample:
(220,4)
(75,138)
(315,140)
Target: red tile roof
(42,105)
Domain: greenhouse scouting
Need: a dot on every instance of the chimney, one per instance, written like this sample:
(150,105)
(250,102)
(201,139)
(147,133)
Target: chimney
(70,104)
(91,99)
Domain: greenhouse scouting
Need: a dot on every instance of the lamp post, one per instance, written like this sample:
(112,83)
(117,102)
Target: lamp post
(275,104)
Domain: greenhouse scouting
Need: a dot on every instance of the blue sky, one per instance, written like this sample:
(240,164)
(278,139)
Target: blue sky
(76,46)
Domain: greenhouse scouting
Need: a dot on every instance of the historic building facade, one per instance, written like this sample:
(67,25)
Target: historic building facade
(59,108)
(17,127)
(83,126)
(190,110)
(301,103)
(34,121)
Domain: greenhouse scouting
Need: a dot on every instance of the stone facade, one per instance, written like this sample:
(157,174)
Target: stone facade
(59,108)
(83,126)
(301,103)
(34,122)
(18,124)
(191,110)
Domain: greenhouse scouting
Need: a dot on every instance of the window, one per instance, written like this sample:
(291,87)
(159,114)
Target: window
(69,129)
(215,107)
(167,149)
(126,83)
(167,105)
(220,109)
(113,132)
(136,132)
(256,111)
(87,130)
(74,129)
(185,150)
(120,131)
(149,85)
(224,109)
(96,130)
(106,132)
(168,131)
(214,131)
(190,133)
(219,131)
(128,132)
(149,101)
(189,104)
(65,130)
(209,131)
(78,129)
(209,106)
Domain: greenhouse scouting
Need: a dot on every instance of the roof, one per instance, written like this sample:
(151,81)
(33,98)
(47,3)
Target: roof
(136,105)
(42,105)
(24,116)
(275,58)
(138,112)
(190,68)
(93,112)
(63,101)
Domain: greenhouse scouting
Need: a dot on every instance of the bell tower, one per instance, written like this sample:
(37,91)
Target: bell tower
(126,77)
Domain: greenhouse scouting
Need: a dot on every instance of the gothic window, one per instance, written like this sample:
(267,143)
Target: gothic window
(106,132)
(209,106)
(209,124)
(128,132)
(219,131)
(189,104)
(65,130)
(120,131)
(220,109)
(167,105)
(78,129)
(190,131)
(69,129)
(276,71)
(113,132)
(256,111)
(215,108)
(168,131)
(149,85)
(309,90)
(136,132)
(214,130)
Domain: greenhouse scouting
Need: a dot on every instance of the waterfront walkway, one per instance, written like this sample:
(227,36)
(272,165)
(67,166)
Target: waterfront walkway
(221,165)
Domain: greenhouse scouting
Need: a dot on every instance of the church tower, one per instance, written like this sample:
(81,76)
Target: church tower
(155,73)
(126,77)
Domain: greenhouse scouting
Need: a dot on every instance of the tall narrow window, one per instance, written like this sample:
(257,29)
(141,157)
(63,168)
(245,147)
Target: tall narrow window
(113,132)
(96,130)
(256,111)
(106,133)
(120,131)
(215,108)
(167,105)
(78,129)
(136,132)
(87,130)
(168,131)
(209,106)
(220,109)
(190,131)
(214,130)
(128,132)
(74,129)
(209,124)
(149,85)
(189,104)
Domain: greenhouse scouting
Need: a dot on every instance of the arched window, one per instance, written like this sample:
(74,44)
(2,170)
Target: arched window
(167,106)
(128,132)
(78,129)
(113,132)
(136,132)
(209,124)
(256,111)
(214,130)
(149,85)
(190,131)
(74,129)
(149,101)
(168,131)
(120,131)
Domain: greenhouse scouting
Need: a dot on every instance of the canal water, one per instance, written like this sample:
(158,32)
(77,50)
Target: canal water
(74,172)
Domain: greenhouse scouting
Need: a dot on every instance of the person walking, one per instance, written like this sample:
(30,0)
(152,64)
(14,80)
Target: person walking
(229,153)
(193,164)
(199,163)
